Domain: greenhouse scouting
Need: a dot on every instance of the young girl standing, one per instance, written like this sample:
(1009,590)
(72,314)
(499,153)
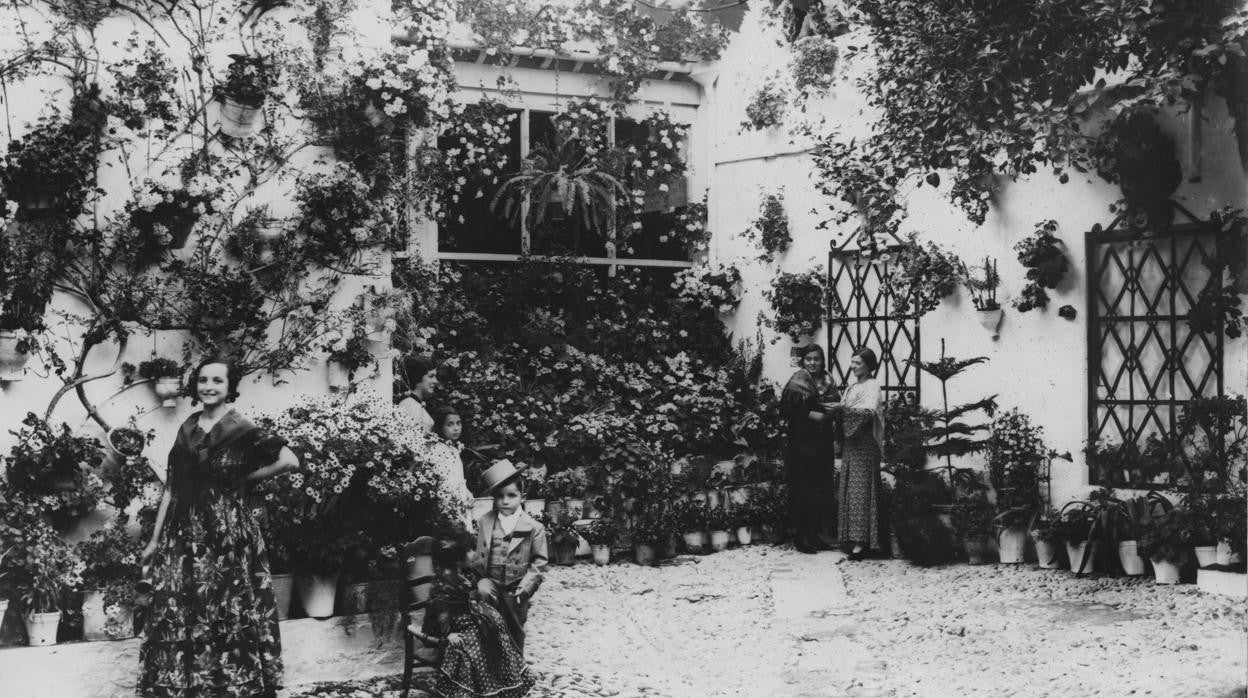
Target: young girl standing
(212,629)
(448,426)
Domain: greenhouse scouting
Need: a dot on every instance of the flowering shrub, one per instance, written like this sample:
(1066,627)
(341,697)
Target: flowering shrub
(656,163)
(716,286)
(766,108)
(162,215)
(1015,449)
(110,559)
(143,87)
(1041,253)
(366,479)
(690,226)
(407,84)
(798,302)
(771,228)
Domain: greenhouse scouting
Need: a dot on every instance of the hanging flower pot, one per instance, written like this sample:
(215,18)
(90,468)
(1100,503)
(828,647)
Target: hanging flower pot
(236,119)
(41,628)
(167,389)
(339,376)
(1129,556)
(317,593)
(990,320)
(126,441)
(1165,572)
(1011,543)
(13,356)
(283,587)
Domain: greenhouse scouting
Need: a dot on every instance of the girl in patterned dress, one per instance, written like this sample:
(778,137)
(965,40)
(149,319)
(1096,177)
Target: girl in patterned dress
(861,409)
(212,629)
(478,656)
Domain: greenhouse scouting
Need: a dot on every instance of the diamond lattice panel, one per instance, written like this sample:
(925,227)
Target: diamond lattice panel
(861,314)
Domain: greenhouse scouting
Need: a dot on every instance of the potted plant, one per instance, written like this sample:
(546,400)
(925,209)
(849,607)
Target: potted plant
(564,538)
(982,283)
(771,229)
(1166,540)
(339,215)
(719,522)
(744,518)
(162,217)
(248,81)
(1230,517)
(1048,544)
(110,572)
(772,506)
(535,491)
(798,302)
(166,377)
(1015,453)
(50,570)
(1073,528)
(53,165)
(972,521)
(57,468)
(16,346)
(568,486)
(562,180)
(348,353)
(601,534)
(922,275)
(692,518)
(651,531)
(1041,253)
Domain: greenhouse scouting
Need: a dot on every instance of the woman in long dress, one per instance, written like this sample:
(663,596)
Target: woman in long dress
(809,457)
(212,630)
(861,410)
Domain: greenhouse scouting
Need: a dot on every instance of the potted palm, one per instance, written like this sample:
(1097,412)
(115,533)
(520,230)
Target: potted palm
(601,534)
(562,180)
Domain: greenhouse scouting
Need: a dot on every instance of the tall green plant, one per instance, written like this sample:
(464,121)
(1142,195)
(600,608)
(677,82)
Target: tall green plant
(950,433)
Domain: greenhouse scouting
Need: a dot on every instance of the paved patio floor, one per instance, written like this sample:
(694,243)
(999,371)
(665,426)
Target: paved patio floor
(768,621)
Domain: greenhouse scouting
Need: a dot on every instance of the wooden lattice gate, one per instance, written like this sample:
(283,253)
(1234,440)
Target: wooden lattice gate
(1145,363)
(862,312)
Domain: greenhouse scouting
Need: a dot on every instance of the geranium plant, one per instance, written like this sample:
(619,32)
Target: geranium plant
(1041,253)
(249,79)
(922,276)
(56,468)
(766,107)
(771,229)
(798,302)
(814,64)
(339,214)
(174,209)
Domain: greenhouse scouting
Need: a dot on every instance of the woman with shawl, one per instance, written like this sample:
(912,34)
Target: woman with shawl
(809,457)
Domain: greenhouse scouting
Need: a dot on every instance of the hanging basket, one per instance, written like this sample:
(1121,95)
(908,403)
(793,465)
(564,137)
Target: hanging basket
(12,359)
(167,389)
(238,120)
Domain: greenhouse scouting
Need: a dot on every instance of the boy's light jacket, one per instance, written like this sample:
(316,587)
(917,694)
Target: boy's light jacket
(526,552)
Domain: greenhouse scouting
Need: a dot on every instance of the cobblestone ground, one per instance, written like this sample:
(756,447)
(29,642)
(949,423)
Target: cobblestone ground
(767,621)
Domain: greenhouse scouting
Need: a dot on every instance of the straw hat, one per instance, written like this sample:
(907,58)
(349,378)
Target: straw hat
(499,474)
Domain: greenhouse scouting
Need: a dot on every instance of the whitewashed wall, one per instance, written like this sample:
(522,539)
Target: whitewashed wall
(259,394)
(1039,364)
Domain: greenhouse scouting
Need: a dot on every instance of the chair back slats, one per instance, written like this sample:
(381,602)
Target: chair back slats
(418,572)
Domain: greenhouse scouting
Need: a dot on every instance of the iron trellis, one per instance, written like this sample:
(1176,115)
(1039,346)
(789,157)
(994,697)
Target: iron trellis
(862,313)
(1144,362)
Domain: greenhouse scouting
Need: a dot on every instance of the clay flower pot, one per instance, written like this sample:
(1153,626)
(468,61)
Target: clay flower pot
(238,120)
(167,389)
(602,554)
(643,554)
(991,320)
(12,361)
(317,593)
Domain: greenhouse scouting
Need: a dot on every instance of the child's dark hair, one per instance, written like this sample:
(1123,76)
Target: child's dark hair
(232,377)
(440,416)
(517,480)
(452,547)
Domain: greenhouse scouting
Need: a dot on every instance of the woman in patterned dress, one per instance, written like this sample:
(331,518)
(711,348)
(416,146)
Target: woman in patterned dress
(478,656)
(212,629)
(861,410)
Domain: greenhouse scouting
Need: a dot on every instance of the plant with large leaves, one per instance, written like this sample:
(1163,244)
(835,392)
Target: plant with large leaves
(562,180)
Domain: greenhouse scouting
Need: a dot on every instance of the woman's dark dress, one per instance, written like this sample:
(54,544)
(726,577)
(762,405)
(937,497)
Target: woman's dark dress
(809,460)
(212,630)
(484,661)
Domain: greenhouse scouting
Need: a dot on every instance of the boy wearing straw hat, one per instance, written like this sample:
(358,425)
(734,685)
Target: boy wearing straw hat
(511,549)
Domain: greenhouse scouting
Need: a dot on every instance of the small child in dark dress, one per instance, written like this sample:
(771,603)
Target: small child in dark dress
(478,656)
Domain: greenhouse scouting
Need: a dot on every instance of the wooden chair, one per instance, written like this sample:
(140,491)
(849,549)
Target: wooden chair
(416,583)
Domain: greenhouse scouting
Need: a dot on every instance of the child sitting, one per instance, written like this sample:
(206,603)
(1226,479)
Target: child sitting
(478,656)
(511,549)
